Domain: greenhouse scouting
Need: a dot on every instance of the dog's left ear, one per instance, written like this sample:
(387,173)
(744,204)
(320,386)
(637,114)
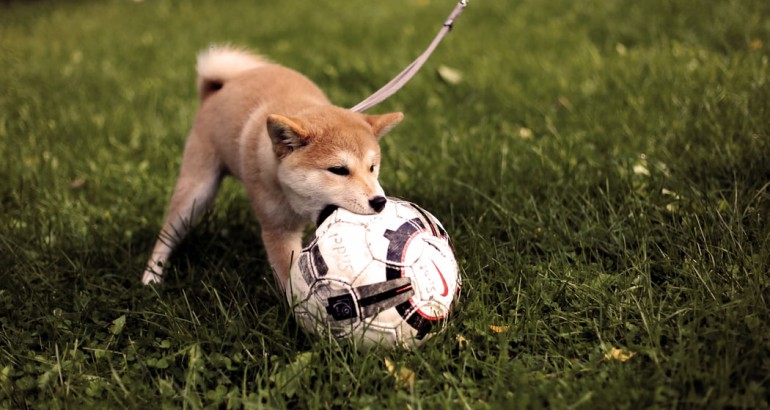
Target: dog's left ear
(287,134)
(383,123)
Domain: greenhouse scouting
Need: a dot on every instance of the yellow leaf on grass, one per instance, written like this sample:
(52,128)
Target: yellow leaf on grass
(670,193)
(641,169)
(498,329)
(619,355)
(450,75)
(461,341)
(403,375)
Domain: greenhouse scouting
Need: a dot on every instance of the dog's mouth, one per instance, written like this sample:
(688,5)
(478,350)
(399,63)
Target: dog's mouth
(325,213)
(376,205)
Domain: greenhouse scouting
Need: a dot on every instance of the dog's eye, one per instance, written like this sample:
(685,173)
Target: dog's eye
(371,169)
(339,170)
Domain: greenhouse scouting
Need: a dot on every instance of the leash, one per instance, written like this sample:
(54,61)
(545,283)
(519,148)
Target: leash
(404,76)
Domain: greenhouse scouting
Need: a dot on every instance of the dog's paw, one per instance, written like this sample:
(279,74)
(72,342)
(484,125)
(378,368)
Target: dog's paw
(150,277)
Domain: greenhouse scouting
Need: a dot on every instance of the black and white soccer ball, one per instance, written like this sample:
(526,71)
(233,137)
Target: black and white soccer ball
(388,279)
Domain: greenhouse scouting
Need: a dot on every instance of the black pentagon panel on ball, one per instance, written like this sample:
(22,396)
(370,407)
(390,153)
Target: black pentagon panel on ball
(397,245)
(422,325)
(435,227)
(325,213)
(321,268)
(306,269)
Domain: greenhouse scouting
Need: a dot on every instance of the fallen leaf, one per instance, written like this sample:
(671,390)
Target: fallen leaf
(563,102)
(640,169)
(498,329)
(77,183)
(287,378)
(461,341)
(450,75)
(619,355)
(117,325)
(670,193)
(403,375)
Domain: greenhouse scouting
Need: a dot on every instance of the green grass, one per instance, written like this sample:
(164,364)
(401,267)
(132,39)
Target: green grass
(603,169)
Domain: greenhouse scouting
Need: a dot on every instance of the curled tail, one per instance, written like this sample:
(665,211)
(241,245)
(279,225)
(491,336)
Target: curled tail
(218,64)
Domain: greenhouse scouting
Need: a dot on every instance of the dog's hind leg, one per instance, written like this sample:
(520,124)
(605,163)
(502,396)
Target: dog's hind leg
(198,183)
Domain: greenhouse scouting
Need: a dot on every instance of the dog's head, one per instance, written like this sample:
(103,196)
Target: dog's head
(329,156)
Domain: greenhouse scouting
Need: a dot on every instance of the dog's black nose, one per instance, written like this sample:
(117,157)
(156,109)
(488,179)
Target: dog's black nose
(378,203)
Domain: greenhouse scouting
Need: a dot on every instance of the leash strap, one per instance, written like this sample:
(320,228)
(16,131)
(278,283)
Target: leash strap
(404,76)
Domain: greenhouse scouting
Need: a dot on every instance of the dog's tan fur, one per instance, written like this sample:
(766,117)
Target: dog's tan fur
(276,131)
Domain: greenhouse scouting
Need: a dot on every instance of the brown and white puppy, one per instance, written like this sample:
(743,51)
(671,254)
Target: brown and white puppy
(294,152)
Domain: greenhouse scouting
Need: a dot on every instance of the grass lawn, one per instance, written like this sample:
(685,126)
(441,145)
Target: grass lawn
(603,168)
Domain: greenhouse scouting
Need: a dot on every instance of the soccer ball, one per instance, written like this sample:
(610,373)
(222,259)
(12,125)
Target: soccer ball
(388,279)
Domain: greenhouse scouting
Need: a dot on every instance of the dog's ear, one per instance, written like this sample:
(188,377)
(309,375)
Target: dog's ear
(287,134)
(383,123)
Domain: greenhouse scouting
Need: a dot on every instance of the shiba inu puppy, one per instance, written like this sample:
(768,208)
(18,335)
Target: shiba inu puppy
(295,153)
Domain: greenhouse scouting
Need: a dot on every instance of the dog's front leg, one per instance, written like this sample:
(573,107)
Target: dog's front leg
(283,247)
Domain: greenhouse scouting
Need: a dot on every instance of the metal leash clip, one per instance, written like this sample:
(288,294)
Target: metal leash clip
(451,20)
